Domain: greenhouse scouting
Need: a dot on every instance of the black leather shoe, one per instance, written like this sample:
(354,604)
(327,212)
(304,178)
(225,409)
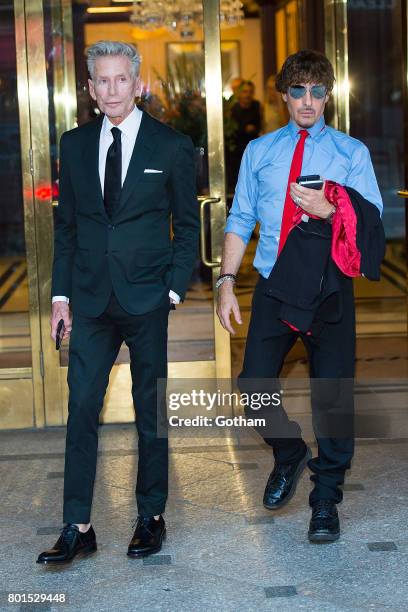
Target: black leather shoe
(324,524)
(70,544)
(281,485)
(148,537)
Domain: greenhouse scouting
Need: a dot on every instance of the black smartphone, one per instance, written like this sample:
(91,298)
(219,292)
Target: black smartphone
(312,181)
(59,334)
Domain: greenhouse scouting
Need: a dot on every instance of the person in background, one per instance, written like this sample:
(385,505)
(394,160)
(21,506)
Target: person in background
(274,112)
(235,85)
(247,114)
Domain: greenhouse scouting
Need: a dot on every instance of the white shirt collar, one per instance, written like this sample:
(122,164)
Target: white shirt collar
(128,126)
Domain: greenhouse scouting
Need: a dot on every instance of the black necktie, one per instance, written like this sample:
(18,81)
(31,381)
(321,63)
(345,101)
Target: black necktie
(113,173)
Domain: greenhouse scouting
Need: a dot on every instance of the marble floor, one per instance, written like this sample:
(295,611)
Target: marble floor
(224,551)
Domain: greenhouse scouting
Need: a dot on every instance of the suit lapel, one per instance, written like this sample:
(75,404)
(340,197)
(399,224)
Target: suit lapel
(91,162)
(144,146)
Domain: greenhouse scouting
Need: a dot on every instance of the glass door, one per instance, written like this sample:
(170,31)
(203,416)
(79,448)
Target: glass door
(21,372)
(182,86)
(370,99)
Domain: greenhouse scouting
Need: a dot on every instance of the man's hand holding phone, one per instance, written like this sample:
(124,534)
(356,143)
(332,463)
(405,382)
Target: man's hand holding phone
(311,198)
(60,312)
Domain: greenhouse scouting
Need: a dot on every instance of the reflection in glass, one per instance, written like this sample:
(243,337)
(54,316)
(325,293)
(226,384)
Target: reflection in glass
(377,118)
(15,342)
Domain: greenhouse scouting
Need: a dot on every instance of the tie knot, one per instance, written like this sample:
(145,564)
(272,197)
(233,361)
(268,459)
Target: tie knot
(303,134)
(116,133)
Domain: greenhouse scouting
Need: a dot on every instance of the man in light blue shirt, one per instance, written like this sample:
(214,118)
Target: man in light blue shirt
(261,188)
(305,82)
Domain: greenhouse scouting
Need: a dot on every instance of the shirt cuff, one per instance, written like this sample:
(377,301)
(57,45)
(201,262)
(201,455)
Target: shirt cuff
(60,298)
(175,297)
(240,229)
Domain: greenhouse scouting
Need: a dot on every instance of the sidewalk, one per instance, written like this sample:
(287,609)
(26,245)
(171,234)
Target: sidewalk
(223,552)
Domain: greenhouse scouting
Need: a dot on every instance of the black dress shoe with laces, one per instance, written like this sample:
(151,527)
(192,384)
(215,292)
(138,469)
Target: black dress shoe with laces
(70,544)
(281,485)
(324,524)
(148,537)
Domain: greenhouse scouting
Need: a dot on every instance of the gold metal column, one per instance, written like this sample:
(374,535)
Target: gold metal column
(64,95)
(216,164)
(41,171)
(335,15)
(26,381)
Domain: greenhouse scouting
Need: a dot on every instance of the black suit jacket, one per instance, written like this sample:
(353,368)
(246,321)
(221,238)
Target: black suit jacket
(306,280)
(133,253)
(370,235)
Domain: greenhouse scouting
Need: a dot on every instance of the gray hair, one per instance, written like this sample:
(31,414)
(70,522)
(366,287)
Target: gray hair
(105,48)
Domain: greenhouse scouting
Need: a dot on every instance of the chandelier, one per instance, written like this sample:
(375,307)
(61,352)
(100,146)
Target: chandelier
(182,16)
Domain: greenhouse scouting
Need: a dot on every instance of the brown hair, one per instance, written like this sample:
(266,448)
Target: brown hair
(305,67)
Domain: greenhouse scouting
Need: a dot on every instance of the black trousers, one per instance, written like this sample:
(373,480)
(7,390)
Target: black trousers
(94,346)
(331,352)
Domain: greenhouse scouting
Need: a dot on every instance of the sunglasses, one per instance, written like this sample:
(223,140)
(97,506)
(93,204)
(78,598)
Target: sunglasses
(316,91)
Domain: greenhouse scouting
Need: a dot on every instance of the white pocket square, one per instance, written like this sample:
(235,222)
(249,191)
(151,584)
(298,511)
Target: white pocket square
(152,171)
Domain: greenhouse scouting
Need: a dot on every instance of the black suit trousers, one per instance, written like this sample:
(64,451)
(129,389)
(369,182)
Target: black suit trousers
(331,353)
(94,346)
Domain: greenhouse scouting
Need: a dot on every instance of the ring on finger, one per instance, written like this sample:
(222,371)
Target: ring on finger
(297,200)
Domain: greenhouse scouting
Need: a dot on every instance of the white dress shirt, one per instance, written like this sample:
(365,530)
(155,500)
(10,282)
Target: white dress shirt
(129,128)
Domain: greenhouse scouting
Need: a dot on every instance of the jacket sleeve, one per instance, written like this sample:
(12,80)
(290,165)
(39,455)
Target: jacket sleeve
(185,216)
(64,229)
(358,238)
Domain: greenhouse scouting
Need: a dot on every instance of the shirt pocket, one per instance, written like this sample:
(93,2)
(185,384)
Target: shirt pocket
(272,178)
(154,177)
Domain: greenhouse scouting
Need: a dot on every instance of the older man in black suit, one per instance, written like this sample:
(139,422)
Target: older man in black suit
(125,180)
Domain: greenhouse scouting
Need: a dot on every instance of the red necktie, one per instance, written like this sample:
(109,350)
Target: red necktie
(290,208)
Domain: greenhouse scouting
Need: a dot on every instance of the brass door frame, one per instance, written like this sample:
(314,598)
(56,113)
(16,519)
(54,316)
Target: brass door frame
(64,99)
(50,377)
(336,48)
(216,163)
(26,383)
(41,177)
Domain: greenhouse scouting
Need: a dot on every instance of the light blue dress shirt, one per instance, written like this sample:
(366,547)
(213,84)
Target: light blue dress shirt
(263,179)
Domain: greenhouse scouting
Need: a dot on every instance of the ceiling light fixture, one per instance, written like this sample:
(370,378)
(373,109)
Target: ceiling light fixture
(182,16)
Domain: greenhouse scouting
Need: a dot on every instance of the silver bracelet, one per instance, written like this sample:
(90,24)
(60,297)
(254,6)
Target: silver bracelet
(224,278)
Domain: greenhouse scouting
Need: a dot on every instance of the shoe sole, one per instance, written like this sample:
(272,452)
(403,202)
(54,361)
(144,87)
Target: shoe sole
(321,537)
(85,552)
(149,552)
(302,465)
